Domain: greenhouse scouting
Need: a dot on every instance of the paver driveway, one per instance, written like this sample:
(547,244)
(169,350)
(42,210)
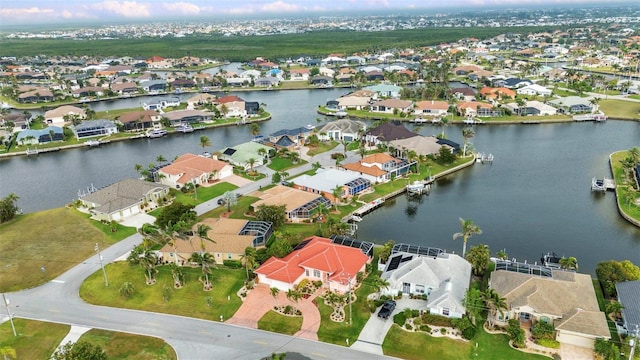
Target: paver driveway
(259,301)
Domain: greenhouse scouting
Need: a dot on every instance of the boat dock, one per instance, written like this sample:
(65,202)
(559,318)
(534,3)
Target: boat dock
(597,117)
(484,158)
(368,207)
(602,184)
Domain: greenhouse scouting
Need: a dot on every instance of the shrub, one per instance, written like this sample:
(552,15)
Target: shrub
(400,319)
(543,330)
(417,321)
(408,326)
(548,343)
(516,333)
(232,264)
(425,328)
(378,302)
(443,331)
(317,283)
(465,326)
(436,320)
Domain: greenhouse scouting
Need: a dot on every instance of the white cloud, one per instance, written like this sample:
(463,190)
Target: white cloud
(184,8)
(123,8)
(25,12)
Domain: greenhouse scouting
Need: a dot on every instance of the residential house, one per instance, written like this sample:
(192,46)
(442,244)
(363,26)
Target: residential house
(161,103)
(443,278)
(463,93)
(325,181)
(88,91)
(531,108)
(534,89)
(266,81)
(629,296)
(93,128)
(476,108)
(35,96)
(431,108)
(140,120)
(385,90)
(243,154)
(316,259)
(20,121)
(342,130)
(299,74)
(562,298)
(290,138)
(183,83)
(421,145)
(374,76)
(353,102)
(379,167)
(387,132)
(123,199)
(154,86)
(513,83)
(125,88)
(232,106)
(321,81)
(392,106)
(201,99)
(572,105)
(497,93)
(64,114)
(33,137)
(195,169)
(178,117)
(230,238)
(299,205)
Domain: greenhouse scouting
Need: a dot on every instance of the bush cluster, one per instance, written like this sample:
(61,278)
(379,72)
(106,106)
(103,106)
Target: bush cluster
(232,264)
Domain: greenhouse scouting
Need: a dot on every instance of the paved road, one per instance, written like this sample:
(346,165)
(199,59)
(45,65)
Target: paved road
(58,301)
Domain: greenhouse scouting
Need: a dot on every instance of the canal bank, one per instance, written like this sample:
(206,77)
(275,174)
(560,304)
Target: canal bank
(618,190)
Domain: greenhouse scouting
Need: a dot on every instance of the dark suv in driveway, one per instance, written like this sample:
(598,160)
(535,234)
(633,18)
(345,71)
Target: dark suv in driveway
(387,309)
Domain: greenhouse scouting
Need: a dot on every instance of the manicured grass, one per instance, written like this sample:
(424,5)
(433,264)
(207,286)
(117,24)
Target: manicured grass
(237,212)
(190,300)
(55,239)
(274,322)
(203,193)
(601,304)
(125,346)
(121,233)
(625,193)
(338,332)
(406,345)
(496,347)
(322,147)
(280,164)
(620,109)
(35,340)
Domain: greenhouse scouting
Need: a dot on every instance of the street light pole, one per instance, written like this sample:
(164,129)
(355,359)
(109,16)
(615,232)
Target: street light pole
(6,305)
(350,308)
(104,273)
(633,343)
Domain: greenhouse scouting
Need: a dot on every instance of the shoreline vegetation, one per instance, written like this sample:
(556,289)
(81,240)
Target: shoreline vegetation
(627,198)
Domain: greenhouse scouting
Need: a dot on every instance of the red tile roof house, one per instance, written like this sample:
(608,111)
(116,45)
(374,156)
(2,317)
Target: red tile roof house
(194,168)
(337,266)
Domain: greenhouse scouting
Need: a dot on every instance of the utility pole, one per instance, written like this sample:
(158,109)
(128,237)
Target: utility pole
(104,273)
(6,305)
(633,343)
(350,308)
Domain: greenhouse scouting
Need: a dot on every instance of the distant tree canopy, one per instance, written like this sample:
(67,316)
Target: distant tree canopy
(612,272)
(273,213)
(175,213)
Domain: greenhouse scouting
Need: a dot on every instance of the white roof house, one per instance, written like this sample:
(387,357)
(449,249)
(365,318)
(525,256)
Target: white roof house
(534,89)
(444,279)
(342,129)
(326,180)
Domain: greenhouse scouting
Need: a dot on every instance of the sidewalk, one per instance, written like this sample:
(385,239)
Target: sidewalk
(73,336)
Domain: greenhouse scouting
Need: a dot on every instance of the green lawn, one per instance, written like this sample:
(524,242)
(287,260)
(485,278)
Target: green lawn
(620,109)
(44,239)
(280,164)
(624,192)
(203,193)
(189,301)
(121,233)
(275,322)
(322,147)
(237,212)
(125,346)
(35,340)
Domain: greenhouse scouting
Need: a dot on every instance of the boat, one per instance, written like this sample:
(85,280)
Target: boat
(551,260)
(184,128)
(436,121)
(469,121)
(417,187)
(355,218)
(156,133)
(92,143)
(341,113)
(419,120)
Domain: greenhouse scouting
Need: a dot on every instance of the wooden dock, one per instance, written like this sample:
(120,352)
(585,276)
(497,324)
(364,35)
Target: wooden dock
(602,184)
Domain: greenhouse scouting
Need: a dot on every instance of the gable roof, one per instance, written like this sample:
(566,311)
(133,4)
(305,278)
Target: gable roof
(64,110)
(121,195)
(143,116)
(283,195)
(629,297)
(345,126)
(192,166)
(340,262)
(422,145)
(325,179)
(391,131)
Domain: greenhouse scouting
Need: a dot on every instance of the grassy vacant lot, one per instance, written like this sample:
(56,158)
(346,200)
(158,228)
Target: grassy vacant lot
(620,109)
(237,211)
(414,345)
(57,239)
(625,194)
(274,322)
(322,147)
(204,193)
(280,164)
(125,346)
(189,301)
(35,340)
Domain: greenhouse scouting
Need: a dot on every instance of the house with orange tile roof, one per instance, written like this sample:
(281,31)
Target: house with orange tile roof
(379,167)
(299,204)
(315,258)
(431,108)
(497,93)
(230,239)
(190,168)
(475,108)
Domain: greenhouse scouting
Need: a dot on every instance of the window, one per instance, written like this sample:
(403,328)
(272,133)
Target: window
(420,289)
(306,272)
(316,273)
(228,256)
(544,319)
(445,311)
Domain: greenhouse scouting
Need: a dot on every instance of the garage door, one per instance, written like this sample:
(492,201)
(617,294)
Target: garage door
(575,340)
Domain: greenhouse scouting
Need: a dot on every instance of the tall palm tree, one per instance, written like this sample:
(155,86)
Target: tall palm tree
(569,263)
(138,168)
(337,195)
(206,261)
(148,262)
(379,283)
(251,162)
(160,159)
(204,141)
(177,274)
(495,303)
(255,129)
(274,291)
(468,229)
(467,133)
(249,258)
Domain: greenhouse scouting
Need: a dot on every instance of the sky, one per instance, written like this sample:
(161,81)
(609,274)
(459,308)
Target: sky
(47,11)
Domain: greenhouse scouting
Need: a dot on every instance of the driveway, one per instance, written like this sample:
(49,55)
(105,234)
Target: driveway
(571,352)
(138,220)
(236,180)
(259,301)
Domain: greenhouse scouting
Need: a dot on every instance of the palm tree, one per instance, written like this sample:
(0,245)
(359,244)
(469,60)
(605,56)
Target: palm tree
(251,162)
(495,303)
(379,283)
(51,133)
(8,352)
(293,295)
(204,141)
(295,157)
(362,151)
(274,292)
(634,152)
(177,274)
(570,263)
(205,260)
(160,159)
(138,168)
(148,262)
(468,229)
(337,195)
(613,308)
(249,258)
(502,255)
(255,129)
(467,133)
(202,232)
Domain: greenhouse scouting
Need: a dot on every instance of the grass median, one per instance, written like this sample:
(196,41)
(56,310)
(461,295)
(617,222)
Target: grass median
(191,300)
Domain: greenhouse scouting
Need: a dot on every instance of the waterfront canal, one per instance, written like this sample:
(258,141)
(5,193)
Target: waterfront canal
(534,198)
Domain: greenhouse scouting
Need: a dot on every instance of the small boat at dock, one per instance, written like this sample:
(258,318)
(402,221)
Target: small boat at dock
(92,143)
(156,133)
(184,128)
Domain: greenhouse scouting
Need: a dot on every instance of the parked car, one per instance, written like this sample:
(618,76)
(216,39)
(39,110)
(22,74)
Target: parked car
(220,201)
(386,309)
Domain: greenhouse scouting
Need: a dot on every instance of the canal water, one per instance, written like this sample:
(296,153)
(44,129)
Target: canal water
(534,198)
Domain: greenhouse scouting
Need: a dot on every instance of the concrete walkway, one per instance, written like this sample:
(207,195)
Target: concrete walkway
(259,301)
(73,335)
